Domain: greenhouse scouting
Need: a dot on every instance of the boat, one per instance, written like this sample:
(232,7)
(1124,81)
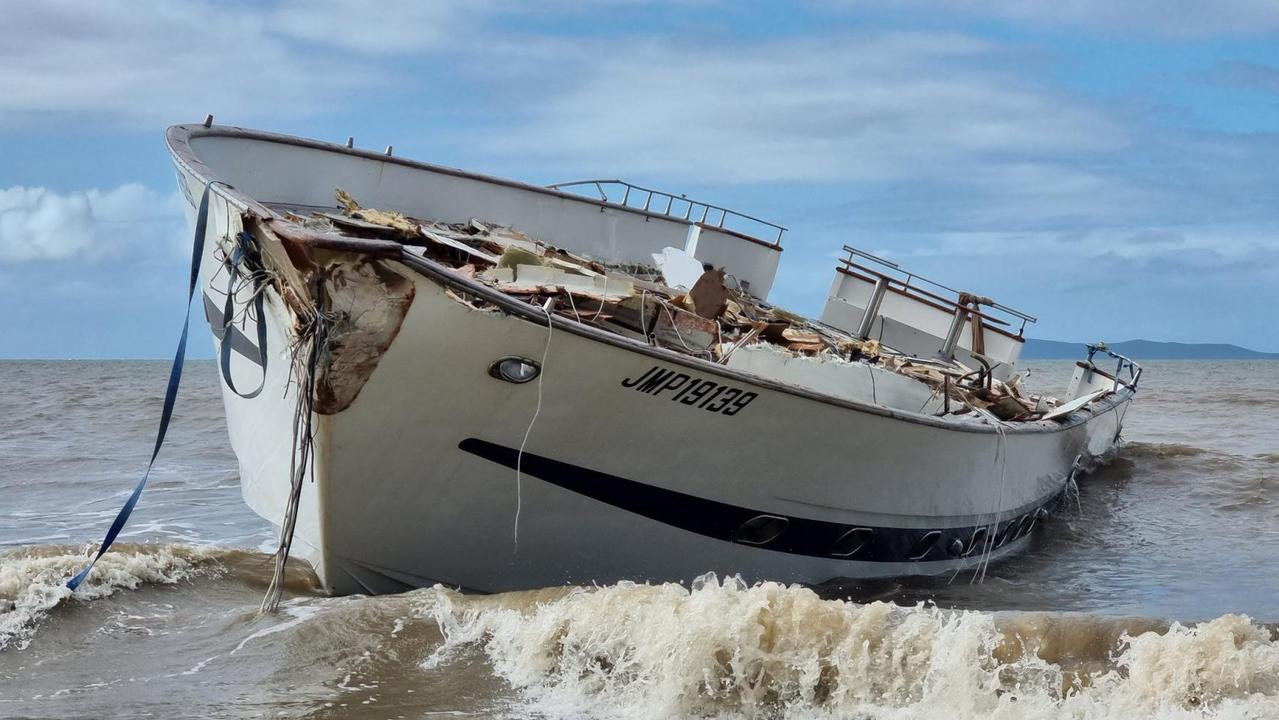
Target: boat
(434,376)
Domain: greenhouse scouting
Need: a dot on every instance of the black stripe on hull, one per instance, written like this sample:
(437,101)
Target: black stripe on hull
(240,342)
(766,530)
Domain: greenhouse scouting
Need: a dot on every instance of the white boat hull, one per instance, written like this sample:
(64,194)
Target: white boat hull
(415,482)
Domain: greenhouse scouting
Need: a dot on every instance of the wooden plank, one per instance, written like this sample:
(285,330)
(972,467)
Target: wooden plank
(1074,405)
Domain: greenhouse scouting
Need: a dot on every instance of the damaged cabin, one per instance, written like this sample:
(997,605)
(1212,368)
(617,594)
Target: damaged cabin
(883,338)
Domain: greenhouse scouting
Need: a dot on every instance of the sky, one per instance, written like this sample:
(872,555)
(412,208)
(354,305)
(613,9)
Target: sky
(1110,167)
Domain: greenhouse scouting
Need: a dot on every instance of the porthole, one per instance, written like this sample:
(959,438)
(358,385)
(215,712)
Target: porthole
(1007,533)
(925,545)
(760,530)
(976,542)
(852,542)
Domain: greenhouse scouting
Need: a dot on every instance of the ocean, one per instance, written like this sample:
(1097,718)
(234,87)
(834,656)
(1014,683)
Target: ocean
(1153,594)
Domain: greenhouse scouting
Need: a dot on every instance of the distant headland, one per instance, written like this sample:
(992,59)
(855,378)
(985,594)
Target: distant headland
(1144,350)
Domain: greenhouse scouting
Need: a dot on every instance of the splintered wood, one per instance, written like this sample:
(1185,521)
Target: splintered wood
(710,320)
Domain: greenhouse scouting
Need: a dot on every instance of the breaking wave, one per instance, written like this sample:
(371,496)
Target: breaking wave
(722,649)
(33,579)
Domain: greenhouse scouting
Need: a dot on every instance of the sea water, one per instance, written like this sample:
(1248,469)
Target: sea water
(1153,594)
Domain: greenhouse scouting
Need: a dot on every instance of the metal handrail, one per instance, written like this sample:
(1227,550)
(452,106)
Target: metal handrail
(688,205)
(1134,370)
(910,277)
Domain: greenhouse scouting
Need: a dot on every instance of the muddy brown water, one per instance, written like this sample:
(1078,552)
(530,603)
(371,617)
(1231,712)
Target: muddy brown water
(1155,594)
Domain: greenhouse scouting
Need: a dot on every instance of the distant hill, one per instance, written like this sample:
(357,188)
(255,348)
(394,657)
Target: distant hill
(1143,350)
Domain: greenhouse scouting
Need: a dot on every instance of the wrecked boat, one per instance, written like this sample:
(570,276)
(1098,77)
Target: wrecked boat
(432,375)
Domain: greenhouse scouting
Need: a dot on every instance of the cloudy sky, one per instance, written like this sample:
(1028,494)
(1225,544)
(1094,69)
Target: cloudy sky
(1111,167)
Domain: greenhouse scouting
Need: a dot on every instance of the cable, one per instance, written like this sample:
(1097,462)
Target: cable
(678,336)
(312,339)
(519,457)
(572,304)
(603,297)
(1001,454)
(874,394)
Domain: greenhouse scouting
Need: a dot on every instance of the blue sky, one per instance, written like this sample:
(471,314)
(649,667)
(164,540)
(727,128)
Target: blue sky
(1110,167)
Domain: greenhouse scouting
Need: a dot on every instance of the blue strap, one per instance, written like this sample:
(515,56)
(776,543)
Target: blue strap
(170,395)
(245,247)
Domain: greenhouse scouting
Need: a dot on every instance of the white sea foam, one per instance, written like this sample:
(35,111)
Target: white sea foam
(33,579)
(726,650)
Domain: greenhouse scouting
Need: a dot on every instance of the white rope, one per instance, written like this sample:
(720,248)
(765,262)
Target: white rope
(934,394)
(1001,455)
(305,352)
(603,297)
(573,305)
(747,337)
(643,318)
(519,458)
(678,336)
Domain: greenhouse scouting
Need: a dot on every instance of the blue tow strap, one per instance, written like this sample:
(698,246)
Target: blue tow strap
(245,249)
(170,394)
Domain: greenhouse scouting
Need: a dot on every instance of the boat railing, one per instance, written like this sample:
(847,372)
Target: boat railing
(916,285)
(679,207)
(1125,364)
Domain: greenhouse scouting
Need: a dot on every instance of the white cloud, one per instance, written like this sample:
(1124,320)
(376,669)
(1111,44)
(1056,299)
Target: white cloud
(1190,18)
(857,107)
(39,224)
(396,26)
(1216,248)
(148,62)
(154,62)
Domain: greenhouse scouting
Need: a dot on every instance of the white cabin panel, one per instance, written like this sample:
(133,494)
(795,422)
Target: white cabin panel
(278,172)
(914,326)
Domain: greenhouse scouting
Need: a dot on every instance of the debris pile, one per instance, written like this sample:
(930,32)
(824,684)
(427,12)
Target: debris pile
(676,303)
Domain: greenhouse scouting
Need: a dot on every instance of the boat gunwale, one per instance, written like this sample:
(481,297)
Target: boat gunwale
(178,136)
(181,135)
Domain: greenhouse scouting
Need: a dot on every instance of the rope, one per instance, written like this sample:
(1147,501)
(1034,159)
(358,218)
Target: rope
(643,319)
(678,336)
(603,294)
(573,305)
(1001,456)
(935,393)
(519,457)
(313,337)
